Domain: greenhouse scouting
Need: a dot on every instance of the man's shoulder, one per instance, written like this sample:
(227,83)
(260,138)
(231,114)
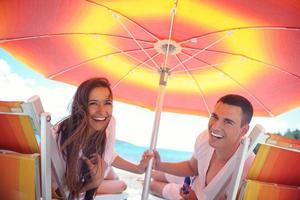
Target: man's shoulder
(202,137)
(201,144)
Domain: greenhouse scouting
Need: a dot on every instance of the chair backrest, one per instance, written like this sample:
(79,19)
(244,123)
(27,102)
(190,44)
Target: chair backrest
(276,165)
(275,172)
(246,147)
(17,134)
(278,140)
(20,176)
(11,106)
(32,107)
(263,190)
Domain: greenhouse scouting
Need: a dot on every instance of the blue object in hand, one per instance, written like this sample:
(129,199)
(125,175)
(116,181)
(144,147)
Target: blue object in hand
(186,184)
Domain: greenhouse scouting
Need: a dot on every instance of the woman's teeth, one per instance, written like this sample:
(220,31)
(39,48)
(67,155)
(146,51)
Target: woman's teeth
(216,135)
(99,118)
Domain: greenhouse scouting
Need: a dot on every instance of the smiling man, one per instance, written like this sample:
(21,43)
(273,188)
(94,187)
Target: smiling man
(213,155)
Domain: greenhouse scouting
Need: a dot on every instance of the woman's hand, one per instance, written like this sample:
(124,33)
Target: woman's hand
(97,167)
(147,155)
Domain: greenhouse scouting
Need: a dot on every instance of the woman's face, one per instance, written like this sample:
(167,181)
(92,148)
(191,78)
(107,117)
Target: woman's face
(99,108)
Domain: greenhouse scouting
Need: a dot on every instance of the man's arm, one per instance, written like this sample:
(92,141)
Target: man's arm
(184,168)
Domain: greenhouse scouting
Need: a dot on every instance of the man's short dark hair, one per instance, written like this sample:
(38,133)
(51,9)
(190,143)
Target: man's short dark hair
(242,102)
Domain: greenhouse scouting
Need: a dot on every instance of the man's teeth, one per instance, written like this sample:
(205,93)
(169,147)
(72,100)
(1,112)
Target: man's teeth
(216,135)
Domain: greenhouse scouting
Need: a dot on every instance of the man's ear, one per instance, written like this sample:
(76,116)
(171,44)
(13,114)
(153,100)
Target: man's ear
(245,129)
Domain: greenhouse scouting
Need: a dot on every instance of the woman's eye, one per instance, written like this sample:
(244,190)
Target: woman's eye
(93,104)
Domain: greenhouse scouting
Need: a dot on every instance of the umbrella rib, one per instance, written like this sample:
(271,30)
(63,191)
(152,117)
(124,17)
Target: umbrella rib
(272,66)
(248,57)
(173,13)
(134,50)
(202,67)
(130,20)
(244,28)
(84,62)
(3,40)
(115,15)
(51,76)
(197,84)
(130,56)
(130,71)
(209,50)
(212,44)
(247,91)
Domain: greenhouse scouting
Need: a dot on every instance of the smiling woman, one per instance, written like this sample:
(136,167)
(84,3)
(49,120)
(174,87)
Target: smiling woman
(86,139)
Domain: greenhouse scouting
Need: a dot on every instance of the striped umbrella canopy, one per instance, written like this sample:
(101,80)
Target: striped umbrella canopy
(244,47)
(177,55)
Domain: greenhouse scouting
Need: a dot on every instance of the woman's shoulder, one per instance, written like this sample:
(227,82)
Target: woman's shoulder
(111,127)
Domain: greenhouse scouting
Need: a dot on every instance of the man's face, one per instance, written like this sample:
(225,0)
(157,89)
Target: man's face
(224,126)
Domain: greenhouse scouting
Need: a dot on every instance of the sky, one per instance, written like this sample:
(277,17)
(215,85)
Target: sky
(134,124)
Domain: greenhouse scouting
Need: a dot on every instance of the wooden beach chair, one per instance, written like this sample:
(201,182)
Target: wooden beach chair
(275,173)
(17,133)
(19,158)
(20,125)
(20,176)
(32,107)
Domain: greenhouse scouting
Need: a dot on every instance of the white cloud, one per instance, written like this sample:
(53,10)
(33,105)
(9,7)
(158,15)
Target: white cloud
(16,87)
(4,68)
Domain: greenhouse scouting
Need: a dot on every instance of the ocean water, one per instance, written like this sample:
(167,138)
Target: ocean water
(133,153)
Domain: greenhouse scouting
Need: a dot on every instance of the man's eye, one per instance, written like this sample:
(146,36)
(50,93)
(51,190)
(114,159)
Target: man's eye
(108,103)
(228,122)
(213,117)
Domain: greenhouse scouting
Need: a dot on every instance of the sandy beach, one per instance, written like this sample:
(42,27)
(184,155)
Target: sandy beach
(134,184)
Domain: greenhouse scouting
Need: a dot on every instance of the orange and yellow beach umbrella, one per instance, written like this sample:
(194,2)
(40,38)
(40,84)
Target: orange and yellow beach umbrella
(250,48)
(191,51)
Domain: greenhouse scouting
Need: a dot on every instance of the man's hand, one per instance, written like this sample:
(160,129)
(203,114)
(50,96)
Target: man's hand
(147,155)
(190,195)
(156,162)
(97,167)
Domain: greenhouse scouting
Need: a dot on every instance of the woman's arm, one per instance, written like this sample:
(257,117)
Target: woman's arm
(121,163)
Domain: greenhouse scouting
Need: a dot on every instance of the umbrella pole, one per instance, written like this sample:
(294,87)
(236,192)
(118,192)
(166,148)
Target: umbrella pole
(159,104)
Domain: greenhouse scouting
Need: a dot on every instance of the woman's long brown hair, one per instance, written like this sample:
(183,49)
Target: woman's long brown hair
(73,135)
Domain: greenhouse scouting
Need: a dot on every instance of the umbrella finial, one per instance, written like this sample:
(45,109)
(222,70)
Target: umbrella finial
(162,46)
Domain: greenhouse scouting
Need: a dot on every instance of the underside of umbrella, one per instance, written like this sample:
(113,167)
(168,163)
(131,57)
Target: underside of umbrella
(208,48)
(192,52)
